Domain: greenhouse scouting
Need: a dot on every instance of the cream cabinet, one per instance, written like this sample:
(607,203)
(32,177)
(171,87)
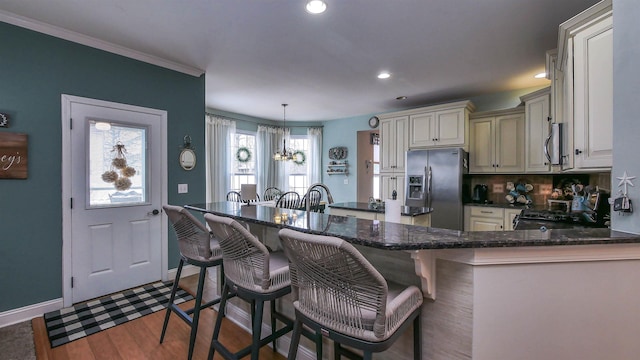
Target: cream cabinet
(394,133)
(485,218)
(390,182)
(585,60)
(537,121)
(496,142)
(438,128)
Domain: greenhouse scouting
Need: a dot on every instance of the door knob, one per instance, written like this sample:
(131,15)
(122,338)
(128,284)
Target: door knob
(154,212)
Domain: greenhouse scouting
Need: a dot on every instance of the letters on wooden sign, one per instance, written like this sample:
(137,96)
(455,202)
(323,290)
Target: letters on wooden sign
(13,156)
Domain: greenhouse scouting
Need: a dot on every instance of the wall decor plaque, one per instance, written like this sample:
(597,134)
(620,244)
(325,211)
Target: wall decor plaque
(13,156)
(338,153)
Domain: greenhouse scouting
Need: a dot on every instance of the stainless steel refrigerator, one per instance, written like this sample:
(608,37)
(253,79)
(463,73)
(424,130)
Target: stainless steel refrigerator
(435,180)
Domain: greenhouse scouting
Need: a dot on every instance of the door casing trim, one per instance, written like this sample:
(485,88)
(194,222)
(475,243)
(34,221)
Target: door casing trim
(67,100)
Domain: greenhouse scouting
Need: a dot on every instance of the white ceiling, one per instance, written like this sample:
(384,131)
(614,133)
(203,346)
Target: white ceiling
(258,54)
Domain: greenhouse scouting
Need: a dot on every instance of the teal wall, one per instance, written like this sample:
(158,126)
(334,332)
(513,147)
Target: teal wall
(35,69)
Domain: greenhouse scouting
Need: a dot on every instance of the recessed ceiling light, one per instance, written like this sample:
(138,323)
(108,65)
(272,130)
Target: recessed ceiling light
(316,6)
(542,75)
(401,97)
(384,75)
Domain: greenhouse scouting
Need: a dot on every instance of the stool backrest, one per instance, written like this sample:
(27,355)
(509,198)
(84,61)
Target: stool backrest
(194,240)
(245,258)
(234,196)
(334,284)
(272,193)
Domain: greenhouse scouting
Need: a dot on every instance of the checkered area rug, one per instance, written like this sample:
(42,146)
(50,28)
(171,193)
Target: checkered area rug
(88,318)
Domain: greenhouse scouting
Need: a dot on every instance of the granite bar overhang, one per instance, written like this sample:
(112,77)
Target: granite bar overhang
(392,236)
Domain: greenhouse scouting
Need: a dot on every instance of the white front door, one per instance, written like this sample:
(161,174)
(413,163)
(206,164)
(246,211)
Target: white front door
(116,230)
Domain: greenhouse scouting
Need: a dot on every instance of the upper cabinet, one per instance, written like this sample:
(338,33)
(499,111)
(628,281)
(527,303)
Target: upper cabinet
(394,133)
(585,62)
(438,128)
(537,131)
(497,142)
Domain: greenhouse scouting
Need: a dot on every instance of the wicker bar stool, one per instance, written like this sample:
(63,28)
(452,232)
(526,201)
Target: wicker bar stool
(255,275)
(338,293)
(198,248)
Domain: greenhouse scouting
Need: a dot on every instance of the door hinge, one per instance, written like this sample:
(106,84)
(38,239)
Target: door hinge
(71,123)
(72,282)
(71,202)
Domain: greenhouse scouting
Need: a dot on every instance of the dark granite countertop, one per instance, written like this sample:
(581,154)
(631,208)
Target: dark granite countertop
(507,206)
(361,206)
(392,236)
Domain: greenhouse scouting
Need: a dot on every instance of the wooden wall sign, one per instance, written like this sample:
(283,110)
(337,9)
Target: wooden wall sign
(13,156)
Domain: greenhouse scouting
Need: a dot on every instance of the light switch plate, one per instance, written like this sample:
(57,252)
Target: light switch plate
(346,181)
(183,188)
(498,188)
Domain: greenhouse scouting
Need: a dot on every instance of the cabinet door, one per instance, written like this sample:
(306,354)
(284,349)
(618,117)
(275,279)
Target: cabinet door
(393,143)
(509,144)
(537,129)
(402,142)
(387,144)
(485,224)
(390,182)
(593,102)
(481,145)
(509,215)
(449,127)
(421,132)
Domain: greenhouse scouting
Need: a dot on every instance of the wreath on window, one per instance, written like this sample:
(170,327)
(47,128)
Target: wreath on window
(243,155)
(299,158)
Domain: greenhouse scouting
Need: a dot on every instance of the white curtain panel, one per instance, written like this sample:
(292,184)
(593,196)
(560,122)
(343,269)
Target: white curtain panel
(219,138)
(270,172)
(314,135)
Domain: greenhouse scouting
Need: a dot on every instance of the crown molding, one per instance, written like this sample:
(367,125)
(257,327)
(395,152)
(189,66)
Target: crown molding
(75,37)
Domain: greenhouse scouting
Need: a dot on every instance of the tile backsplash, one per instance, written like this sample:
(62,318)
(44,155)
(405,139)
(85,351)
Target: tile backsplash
(543,185)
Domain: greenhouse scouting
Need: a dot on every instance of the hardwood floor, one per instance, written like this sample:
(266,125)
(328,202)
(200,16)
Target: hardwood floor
(140,338)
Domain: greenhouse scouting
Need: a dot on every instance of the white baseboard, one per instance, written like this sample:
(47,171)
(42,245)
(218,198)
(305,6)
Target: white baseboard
(29,312)
(25,313)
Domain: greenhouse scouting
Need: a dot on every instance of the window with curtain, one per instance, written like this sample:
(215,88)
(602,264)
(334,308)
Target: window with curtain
(298,170)
(243,168)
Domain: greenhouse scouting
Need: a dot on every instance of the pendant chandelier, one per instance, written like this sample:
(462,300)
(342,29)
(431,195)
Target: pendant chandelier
(284,154)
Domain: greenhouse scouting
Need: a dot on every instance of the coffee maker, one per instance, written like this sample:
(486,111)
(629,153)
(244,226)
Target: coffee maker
(598,207)
(480,194)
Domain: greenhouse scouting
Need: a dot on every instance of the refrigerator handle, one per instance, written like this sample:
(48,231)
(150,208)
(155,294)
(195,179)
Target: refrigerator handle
(429,175)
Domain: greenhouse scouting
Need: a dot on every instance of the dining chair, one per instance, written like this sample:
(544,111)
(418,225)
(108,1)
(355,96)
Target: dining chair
(253,274)
(234,196)
(316,197)
(271,193)
(337,292)
(289,200)
(198,248)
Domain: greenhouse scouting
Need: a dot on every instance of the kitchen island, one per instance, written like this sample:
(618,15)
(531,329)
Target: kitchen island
(557,294)
(408,214)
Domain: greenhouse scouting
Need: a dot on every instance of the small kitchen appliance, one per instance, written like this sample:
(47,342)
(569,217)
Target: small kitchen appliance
(480,193)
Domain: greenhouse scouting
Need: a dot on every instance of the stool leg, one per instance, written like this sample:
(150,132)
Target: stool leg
(273,322)
(318,346)
(216,329)
(257,329)
(196,312)
(174,288)
(295,340)
(417,338)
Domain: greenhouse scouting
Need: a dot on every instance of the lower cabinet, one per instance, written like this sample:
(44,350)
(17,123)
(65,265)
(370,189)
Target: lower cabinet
(390,182)
(485,218)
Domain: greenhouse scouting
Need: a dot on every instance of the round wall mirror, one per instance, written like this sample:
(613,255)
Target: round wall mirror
(187,159)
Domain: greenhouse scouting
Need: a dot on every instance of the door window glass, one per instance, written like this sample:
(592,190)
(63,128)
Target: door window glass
(116,183)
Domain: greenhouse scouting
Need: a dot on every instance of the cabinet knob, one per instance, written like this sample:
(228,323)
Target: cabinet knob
(497,165)
(578,152)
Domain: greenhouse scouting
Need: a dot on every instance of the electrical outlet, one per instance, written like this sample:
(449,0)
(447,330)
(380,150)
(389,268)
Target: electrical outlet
(546,189)
(346,181)
(498,188)
(183,188)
